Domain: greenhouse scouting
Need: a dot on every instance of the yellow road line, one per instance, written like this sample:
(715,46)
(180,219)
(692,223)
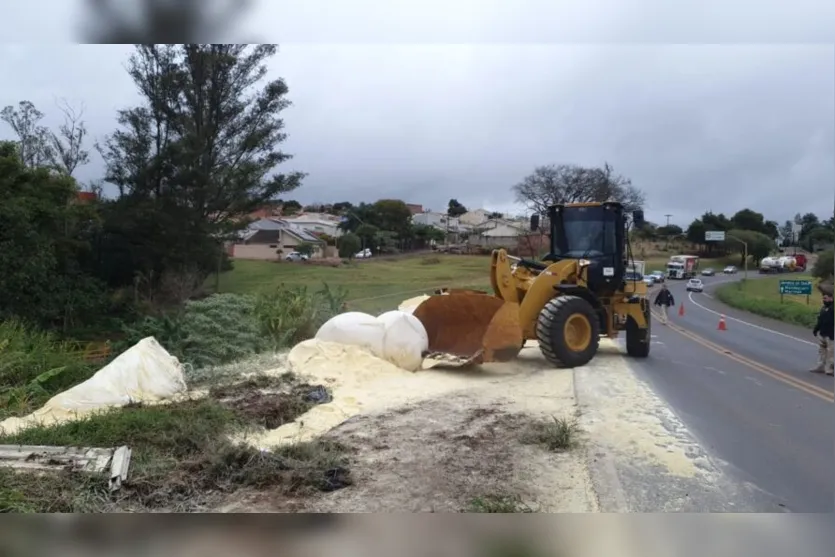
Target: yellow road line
(783,377)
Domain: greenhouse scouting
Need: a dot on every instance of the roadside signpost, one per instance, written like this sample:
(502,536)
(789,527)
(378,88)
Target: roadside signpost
(796,288)
(720,236)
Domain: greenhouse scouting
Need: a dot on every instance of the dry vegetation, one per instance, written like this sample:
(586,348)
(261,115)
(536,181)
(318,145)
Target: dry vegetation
(183,459)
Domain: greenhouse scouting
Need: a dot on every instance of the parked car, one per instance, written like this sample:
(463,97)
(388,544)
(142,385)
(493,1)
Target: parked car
(649,279)
(296,256)
(708,272)
(659,276)
(364,254)
(729,270)
(633,277)
(695,285)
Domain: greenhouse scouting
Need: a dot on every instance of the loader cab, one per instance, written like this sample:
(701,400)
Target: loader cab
(595,233)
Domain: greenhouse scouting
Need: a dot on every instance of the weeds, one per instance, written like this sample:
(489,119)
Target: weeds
(34,366)
(289,315)
(498,503)
(558,434)
(434,260)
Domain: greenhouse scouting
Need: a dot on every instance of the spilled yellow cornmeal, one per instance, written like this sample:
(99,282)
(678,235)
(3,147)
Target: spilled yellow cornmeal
(359,383)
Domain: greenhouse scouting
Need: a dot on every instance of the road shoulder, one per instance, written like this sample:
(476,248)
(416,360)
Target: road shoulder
(641,456)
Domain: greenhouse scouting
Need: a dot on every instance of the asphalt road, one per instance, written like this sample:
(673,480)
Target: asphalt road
(746,394)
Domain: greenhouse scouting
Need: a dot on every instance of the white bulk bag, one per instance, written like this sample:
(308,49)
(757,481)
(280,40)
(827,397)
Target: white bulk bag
(405,339)
(146,372)
(354,328)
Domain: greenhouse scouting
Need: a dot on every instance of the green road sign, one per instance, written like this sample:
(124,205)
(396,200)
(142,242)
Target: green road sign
(797,287)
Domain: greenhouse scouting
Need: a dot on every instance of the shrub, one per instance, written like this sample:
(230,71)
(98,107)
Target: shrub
(215,330)
(348,245)
(306,248)
(224,328)
(823,267)
(289,315)
(34,366)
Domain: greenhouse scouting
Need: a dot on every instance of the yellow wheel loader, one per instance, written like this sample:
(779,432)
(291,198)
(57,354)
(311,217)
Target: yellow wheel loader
(581,290)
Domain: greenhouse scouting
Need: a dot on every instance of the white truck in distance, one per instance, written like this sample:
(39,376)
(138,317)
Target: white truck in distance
(682,266)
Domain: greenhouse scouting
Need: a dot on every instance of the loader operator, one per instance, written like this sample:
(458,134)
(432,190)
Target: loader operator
(825,331)
(664,300)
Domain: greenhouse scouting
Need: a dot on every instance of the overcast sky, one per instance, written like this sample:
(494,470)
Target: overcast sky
(698,128)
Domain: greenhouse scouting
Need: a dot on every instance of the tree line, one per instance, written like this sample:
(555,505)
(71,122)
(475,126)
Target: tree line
(196,154)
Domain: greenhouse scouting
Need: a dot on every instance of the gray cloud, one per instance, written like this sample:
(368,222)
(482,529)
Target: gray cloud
(697,127)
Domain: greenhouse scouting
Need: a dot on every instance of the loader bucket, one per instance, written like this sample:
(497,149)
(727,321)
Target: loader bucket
(471,325)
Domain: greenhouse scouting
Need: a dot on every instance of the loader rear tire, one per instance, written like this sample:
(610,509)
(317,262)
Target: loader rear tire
(637,339)
(557,319)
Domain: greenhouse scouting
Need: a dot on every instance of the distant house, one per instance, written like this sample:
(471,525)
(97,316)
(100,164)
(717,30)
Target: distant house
(264,238)
(316,222)
(475,217)
(438,220)
(415,208)
(496,232)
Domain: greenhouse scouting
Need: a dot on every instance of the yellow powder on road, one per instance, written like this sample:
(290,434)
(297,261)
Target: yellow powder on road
(622,412)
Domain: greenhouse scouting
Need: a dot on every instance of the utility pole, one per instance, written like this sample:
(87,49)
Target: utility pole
(667,246)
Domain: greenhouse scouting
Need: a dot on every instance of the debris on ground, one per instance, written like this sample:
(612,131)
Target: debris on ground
(38,458)
(270,402)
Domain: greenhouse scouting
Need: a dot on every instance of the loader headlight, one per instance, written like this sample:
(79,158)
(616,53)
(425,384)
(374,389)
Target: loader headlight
(584,262)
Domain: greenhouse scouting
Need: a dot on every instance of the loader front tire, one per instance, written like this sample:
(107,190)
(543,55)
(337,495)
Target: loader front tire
(568,331)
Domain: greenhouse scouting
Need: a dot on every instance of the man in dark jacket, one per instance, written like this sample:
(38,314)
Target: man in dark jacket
(664,300)
(825,331)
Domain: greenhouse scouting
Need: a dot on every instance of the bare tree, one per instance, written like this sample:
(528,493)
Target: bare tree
(568,183)
(33,139)
(67,151)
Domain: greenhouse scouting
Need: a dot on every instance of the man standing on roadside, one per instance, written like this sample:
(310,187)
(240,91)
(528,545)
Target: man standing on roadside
(825,331)
(664,300)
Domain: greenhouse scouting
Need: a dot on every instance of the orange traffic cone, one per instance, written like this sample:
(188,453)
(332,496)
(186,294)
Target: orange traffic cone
(681,309)
(722,326)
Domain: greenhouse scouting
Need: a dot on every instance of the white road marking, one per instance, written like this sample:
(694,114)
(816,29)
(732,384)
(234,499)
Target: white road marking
(754,381)
(728,317)
(719,371)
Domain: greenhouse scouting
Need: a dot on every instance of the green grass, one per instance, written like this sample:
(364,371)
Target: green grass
(762,297)
(34,366)
(379,285)
(182,458)
(372,286)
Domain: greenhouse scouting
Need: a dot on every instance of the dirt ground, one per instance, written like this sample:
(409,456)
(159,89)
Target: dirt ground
(458,442)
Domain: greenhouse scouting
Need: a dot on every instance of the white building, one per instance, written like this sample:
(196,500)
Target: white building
(438,220)
(497,232)
(474,217)
(316,222)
